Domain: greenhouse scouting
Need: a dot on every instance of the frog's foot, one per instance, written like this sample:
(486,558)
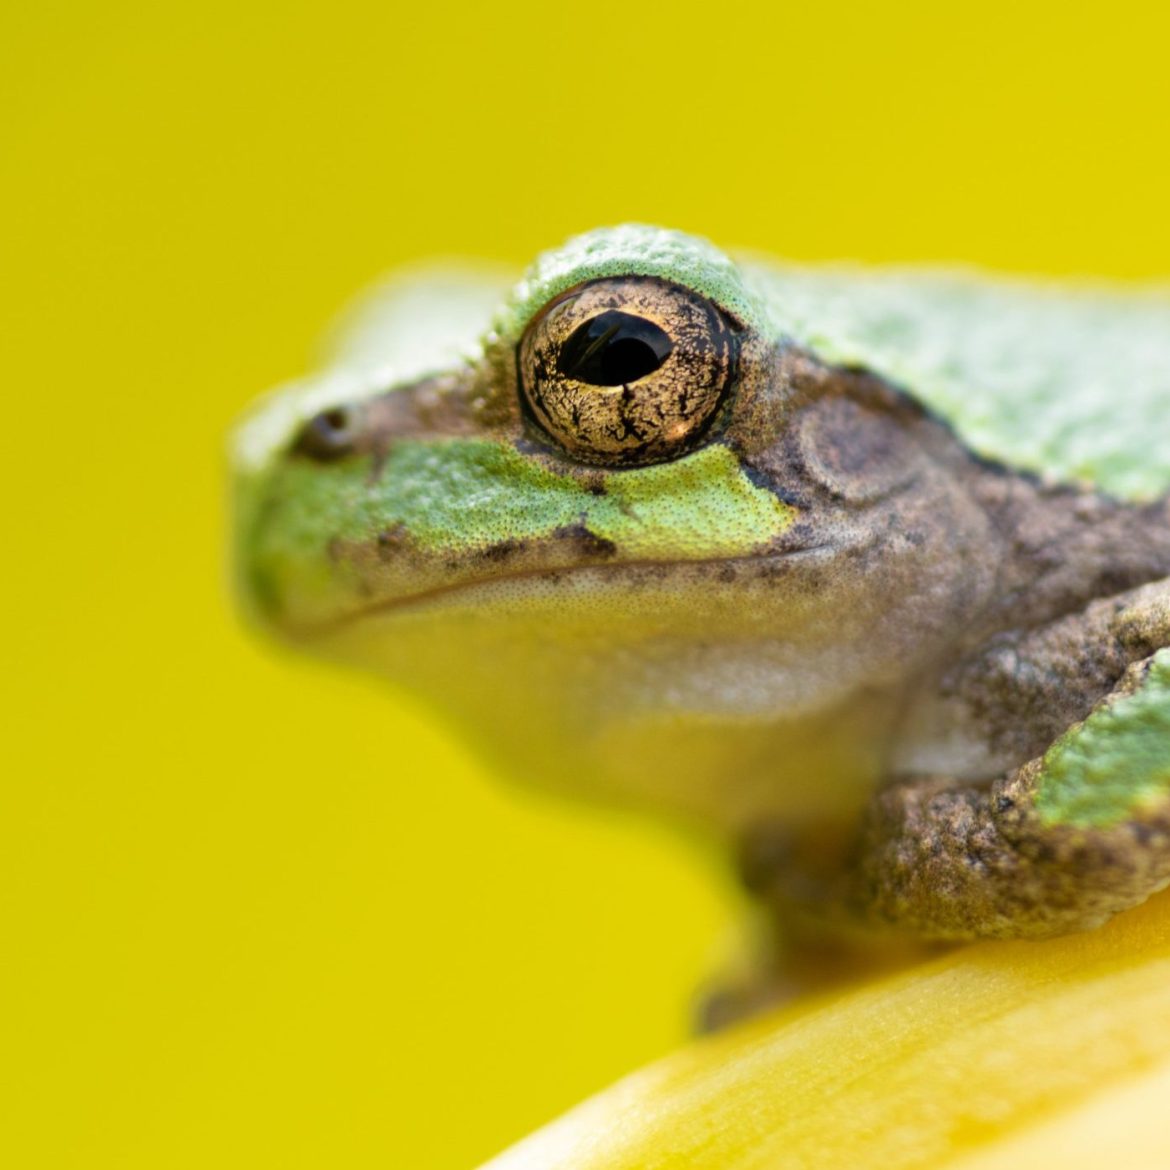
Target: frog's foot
(1077,834)
(809,957)
(727,1002)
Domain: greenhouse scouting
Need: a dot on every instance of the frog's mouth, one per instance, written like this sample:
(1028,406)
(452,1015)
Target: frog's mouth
(575,574)
(591,584)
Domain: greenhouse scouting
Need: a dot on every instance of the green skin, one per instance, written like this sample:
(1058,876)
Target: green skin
(896,627)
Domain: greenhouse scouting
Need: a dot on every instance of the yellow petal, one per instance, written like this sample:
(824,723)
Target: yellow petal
(1000,1056)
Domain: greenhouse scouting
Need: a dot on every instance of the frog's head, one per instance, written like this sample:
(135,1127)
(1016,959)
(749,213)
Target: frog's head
(636,514)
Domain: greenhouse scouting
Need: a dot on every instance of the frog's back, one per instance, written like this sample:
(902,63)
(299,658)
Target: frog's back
(1071,382)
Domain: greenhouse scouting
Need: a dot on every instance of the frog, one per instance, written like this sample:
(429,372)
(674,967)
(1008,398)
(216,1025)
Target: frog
(861,573)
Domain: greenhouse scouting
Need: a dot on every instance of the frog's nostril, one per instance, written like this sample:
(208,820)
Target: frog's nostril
(329,434)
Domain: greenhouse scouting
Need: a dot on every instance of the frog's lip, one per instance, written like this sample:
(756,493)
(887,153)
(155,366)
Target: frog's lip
(425,598)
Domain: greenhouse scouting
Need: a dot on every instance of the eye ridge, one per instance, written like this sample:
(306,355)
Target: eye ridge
(613,349)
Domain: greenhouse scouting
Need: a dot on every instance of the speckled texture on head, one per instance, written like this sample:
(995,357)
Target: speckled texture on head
(1061,381)
(1067,382)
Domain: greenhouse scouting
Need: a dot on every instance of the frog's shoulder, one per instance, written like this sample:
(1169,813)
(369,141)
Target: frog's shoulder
(1067,381)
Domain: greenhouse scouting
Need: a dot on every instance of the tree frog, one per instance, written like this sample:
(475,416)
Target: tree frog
(865,572)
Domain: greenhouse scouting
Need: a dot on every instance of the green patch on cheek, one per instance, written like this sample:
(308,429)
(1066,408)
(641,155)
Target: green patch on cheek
(1116,763)
(462,493)
(699,507)
(455,495)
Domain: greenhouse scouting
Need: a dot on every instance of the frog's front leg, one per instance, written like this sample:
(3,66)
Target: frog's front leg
(1074,828)
(1076,834)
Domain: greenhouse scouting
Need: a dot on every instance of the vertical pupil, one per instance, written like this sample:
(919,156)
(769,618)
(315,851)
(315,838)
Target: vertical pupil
(613,348)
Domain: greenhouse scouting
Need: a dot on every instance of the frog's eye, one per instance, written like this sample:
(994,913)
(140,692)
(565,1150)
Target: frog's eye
(627,371)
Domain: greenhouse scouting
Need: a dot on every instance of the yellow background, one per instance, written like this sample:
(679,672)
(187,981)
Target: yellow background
(257,914)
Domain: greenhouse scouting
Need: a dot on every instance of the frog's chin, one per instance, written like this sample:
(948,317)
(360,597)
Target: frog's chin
(708,686)
(593,643)
(646,685)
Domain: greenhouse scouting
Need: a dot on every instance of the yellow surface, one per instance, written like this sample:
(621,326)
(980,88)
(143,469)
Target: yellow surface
(256,914)
(1007,1056)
